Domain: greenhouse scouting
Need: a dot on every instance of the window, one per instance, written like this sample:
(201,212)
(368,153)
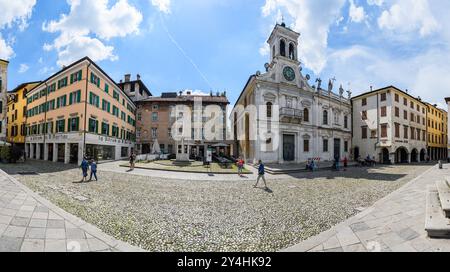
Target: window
(397,130)
(405,132)
(154,132)
(93,126)
(62,83)
(94,99)
(115,132)
(413,133)
(373,133)
(418,134)
(75,97)
(154,116)
(282,48)
(116,96)
(60,126)
(364,102)
(411,104)
(345,146)
(115,111)
(397,112)
(269,110)
(325,145)
(405,101)
(291,51)
(325,117)
(95,80)
(305,145)
(405,115)
(384,133)
(364,132)
(306,115)
(105,129)
(106,106)
(123,116)
(73,124)
(413,118)
(106,88)
(364,115)
(61,101)
(383,97)
(345,121)
(397,98)
(383,111)
(75,77)
(49,128)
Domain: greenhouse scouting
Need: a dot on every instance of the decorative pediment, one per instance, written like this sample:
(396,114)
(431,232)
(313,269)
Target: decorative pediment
(270,97)
(306,103)
(307,137)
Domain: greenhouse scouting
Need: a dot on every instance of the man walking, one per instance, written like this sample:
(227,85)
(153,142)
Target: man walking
(261,173)
(132,161)
(84,167)
(93,170)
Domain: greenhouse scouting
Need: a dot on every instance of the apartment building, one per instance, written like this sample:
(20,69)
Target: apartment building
(3,98)
(437,132)
(156,116)
(135,89)
(17,114)
(79,111)
(390,125)
(447,100)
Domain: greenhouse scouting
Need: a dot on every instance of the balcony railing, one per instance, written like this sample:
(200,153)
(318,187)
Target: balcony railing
(291,113)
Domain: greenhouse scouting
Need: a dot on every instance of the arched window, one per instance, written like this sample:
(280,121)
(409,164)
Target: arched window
(283,48)
(291,51)
(306,115)
(325,117)
(269,109)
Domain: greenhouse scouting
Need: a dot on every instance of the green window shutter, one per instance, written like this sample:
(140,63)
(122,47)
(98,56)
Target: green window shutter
(79,96)
(78,123)
(70,98)
(80,75)
(65,100)
(90,99)
(69,127)
(71,78)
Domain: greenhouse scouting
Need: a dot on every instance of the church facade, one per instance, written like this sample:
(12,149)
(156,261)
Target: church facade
(280,118)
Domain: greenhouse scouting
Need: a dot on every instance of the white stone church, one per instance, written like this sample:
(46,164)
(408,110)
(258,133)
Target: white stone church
(313,123)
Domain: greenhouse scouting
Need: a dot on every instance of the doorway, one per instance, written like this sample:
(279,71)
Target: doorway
(289,148)
(385,156)
(337,148)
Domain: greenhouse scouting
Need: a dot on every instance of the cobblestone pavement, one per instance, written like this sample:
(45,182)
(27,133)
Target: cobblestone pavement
(188,212)
(395,223)
(29,223)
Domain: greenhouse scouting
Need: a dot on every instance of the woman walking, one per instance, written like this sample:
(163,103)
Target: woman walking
(132,161)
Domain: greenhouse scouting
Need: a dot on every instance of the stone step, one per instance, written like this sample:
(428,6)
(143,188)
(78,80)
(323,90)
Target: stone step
(444,196)
(436,224)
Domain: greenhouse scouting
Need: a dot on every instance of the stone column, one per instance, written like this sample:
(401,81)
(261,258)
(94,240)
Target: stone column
(45,152)
(32,151)
(80,153)
(55,152)
(66,153)
(27,151)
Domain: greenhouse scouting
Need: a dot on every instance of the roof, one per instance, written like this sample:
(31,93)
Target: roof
(76,63)
(385,88)
(23,85)
(141,85)
(188,98)
(4,60)
(245,87)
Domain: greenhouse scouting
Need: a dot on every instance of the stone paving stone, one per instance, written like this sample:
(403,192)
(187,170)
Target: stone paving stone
(8,212)
(27,208)
(55,224)
(408,234)
(75,234)
(405,247)
(77,245)
(3,228)
(360,226)
(40,215)
(10,244)
(26,214)
(333,242)
(52,245)
(55,233)
(35,233)
(33,245)
(13,231)
(5,219)
(41,209)
(96,245)
(54,216)
(339,249)
(20,221)
(38,223)
(355,248)
(346,237)
(392,239)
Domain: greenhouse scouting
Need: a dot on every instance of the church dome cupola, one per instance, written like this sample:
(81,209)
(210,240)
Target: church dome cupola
(284,43)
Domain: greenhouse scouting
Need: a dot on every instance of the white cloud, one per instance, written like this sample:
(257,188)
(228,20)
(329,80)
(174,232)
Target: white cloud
(356,14)
(89,22)
(312,18)
(405,17)
(195,92)
(375,2)
(13,12)
(23,68)
(162,5)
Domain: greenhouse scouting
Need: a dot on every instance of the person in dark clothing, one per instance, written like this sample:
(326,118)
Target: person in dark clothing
(93,170)
(261,173)
(84,167)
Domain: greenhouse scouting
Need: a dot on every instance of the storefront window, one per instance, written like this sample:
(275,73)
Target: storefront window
(100,152)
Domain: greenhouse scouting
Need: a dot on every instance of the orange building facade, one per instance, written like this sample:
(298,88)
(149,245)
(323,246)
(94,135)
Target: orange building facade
(79,111)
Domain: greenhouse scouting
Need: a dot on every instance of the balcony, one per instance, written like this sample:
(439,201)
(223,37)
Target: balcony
(289,115)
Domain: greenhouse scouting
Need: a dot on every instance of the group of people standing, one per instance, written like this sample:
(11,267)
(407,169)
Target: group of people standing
(85,165)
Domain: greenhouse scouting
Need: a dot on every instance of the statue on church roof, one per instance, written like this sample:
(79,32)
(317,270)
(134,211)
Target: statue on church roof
(341,91)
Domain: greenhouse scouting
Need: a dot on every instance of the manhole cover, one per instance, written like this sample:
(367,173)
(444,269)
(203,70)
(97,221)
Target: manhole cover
(28,174)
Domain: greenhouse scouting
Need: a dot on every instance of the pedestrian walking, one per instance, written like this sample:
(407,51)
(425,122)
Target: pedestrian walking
(132,161)
(93,171)
(240,165)
(261,175)
(84,168)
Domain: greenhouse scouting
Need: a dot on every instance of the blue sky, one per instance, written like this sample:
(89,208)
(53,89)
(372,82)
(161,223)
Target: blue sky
(216,45)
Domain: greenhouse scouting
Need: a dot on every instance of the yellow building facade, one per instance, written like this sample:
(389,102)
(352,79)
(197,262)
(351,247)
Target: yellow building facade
(437,128)
(3,98)
(79,111)
(17,112)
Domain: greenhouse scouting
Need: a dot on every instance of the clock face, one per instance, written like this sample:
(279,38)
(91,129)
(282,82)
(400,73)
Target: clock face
(289,73)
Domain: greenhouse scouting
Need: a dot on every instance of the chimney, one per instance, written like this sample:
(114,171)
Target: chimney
(371,88)
(127,77)
(138,77)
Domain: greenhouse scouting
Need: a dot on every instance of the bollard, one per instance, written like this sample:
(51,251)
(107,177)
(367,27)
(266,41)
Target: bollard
(440,165)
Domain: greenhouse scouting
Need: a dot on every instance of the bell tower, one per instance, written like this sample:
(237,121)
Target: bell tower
(283,44)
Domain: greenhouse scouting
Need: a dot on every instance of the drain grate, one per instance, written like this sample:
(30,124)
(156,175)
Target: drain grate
(28,174)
